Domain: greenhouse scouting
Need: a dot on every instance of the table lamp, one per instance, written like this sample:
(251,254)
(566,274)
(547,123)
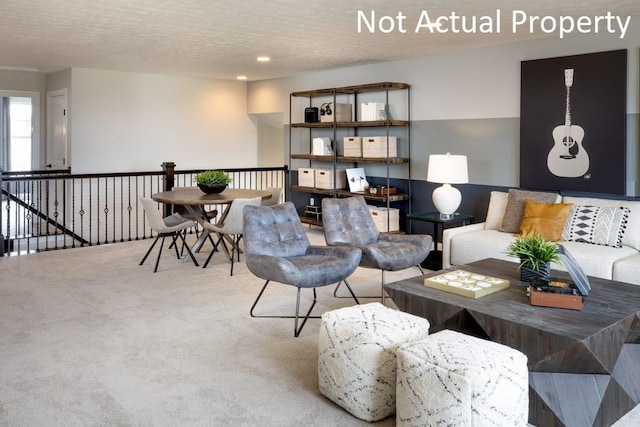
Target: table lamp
(447,169)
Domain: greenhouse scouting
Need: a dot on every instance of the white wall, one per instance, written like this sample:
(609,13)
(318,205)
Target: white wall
(126,121)
(478,83)
(479,87)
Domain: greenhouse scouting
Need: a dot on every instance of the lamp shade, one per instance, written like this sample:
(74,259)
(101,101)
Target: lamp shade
(447,169)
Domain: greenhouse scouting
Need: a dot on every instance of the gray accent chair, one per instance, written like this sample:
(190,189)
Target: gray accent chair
(348,222)
(170,226)
(278,249)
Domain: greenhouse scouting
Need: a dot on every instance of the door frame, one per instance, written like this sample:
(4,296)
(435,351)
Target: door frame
(51,94)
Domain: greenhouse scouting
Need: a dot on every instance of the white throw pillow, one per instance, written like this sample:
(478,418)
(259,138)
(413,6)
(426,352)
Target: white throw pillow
(632,235)
(495,212)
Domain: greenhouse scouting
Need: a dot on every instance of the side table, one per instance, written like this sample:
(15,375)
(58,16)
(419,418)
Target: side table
(434,260)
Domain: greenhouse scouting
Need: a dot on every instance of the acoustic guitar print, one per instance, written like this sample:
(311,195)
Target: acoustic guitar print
(568,157)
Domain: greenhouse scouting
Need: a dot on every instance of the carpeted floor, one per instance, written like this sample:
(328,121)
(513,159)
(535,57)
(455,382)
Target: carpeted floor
(88,337)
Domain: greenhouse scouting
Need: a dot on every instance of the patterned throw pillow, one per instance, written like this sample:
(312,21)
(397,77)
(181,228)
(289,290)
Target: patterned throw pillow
(597,225)
(515,207)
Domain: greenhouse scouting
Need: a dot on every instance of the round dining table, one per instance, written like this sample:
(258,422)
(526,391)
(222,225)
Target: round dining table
(194,201)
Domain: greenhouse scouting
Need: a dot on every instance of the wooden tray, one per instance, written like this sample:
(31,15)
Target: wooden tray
(466,283)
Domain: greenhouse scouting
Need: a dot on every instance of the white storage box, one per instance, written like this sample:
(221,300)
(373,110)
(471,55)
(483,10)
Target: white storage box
(342,112)
(353,146)
(380,215)
(373,111)
(324,178)
(376,146)
(306,177)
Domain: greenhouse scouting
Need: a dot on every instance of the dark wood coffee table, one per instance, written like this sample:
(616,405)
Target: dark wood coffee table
(584,366)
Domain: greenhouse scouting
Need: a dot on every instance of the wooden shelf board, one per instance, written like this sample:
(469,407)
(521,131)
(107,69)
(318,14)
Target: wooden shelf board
(344,159)
(369,87)
(352,124)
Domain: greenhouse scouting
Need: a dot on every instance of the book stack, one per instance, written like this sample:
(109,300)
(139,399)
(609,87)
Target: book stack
(373,111)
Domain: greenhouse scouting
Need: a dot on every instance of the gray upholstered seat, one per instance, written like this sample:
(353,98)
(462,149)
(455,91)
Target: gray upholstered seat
(172,226)
(348,222)
(278,249)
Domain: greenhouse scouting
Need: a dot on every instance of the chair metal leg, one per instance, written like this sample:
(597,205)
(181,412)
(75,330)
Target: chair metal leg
(215,249)
(296,329)
(184,245)
(335,293)
(150,249)
(420,268)
(174,244)
(159,253)
(382,287)
(351,291)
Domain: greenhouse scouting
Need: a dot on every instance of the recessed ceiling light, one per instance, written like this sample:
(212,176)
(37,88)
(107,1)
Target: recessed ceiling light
(241,77)
(263,59)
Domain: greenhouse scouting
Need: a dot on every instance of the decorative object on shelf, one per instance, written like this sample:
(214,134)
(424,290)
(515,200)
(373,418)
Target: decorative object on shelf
(373,111)
(447,169)
(212,181)
(322,146)
(312,211)
(536,255)
(341,112)
(311,115)
(382,190)
(357,180)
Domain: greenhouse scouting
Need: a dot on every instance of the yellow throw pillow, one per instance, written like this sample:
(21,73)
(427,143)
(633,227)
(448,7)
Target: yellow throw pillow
(544,219)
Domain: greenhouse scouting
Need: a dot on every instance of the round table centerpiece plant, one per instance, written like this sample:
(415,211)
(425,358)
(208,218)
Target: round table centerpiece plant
(212,181)
(536,255)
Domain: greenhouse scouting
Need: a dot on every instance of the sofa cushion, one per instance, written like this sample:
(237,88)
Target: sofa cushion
(632,235)
(495,212)
(545,220)
(597,260)
(515,207)
(477,245)
(597,225)
(627,270)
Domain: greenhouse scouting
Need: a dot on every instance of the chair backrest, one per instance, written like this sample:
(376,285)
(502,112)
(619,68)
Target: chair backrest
(233,220)
(274,230)
(348,221)
(153,214)
(276,196)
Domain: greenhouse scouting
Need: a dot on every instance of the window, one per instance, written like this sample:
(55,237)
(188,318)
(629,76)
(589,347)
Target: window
(18,136)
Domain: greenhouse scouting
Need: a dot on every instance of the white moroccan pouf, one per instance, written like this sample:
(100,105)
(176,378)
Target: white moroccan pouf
(453,379)
(357,357)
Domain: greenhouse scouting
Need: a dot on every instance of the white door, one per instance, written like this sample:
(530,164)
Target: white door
(57,156)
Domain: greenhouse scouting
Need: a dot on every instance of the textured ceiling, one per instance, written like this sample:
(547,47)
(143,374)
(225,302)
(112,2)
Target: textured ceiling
(221,39)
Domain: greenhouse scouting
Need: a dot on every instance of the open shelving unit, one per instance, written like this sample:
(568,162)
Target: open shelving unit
(390,127)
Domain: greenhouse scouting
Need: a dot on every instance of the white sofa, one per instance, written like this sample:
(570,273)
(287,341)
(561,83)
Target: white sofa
(484,240)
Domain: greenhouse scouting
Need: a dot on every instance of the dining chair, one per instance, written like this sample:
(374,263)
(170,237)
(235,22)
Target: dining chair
(276,196)
(232,227)
(170,226)
(348,222)
(278,249)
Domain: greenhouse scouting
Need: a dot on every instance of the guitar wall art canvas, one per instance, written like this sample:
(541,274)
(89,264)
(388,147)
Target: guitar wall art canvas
(573,123)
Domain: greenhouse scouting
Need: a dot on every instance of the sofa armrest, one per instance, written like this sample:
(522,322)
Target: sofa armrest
(448,234)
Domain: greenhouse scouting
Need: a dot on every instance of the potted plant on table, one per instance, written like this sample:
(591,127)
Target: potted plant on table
(212,181)
(536,255)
